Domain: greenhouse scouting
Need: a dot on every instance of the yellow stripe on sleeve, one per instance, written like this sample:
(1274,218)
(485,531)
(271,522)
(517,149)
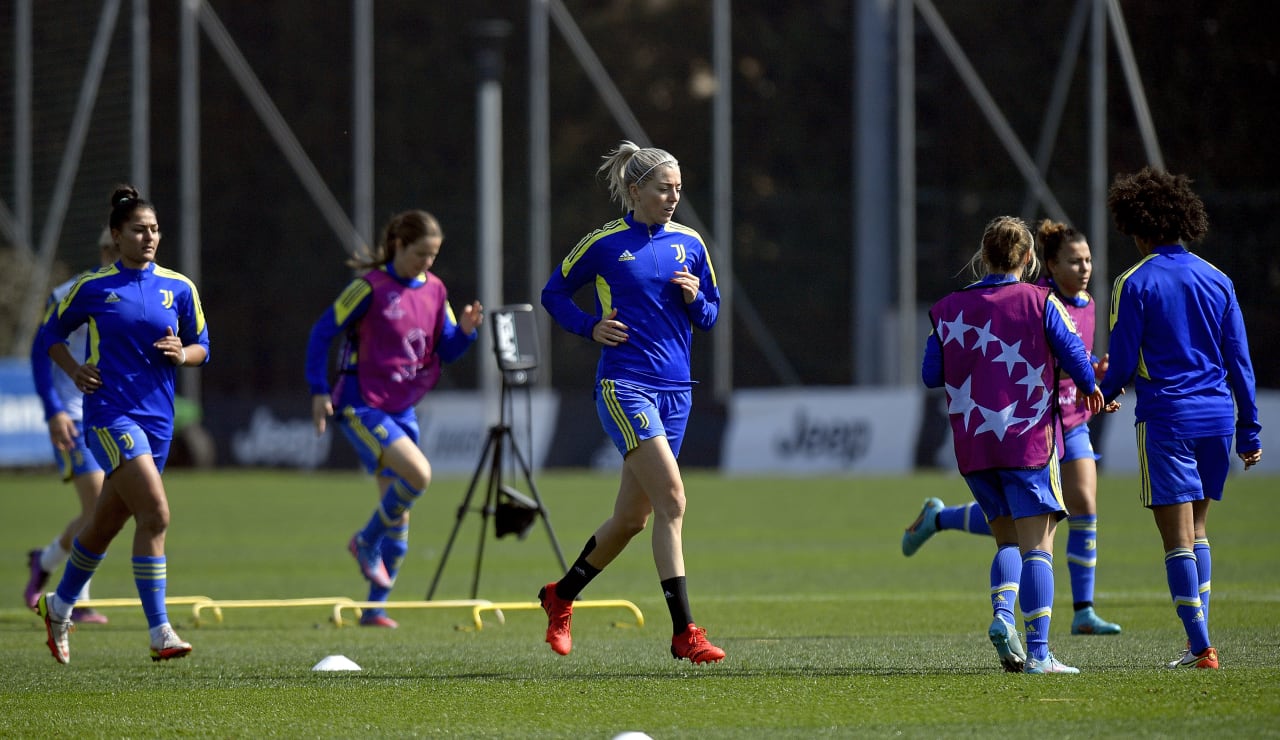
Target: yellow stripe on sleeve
(350,297)
(582,246)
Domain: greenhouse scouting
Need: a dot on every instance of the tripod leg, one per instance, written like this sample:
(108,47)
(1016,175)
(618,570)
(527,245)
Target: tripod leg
(542,510)
(491,499)
(462,512)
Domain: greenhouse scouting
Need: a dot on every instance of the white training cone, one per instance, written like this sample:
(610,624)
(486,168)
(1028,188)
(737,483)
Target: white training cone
(336,663)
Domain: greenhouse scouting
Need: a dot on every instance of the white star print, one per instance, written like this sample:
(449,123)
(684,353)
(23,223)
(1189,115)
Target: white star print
(1010,355)
(961,402)
(955,330)
(984,338)
(996,422)
(1033,380)
(1042,405)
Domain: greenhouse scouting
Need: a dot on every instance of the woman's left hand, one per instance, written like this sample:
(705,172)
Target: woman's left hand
(171,346)
(472,316)
(1100,367)
(688,283)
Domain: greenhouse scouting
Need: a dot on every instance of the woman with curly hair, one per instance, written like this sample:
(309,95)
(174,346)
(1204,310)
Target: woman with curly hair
(1177,333)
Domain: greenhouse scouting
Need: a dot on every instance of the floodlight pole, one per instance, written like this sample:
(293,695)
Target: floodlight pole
(489,35)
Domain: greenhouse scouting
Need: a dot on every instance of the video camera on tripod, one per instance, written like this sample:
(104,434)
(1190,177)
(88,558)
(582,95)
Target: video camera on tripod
(515,348)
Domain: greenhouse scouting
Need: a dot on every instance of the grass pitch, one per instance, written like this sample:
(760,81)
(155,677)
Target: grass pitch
(829,630)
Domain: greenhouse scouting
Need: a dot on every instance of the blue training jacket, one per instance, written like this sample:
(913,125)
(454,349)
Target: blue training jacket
(1177,333)
(631,265)
(127,311)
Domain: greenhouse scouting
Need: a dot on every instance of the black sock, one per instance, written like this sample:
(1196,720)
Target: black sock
(674,591)
(1081,605)
(578,576)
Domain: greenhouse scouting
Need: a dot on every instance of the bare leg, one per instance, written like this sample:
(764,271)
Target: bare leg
(1176,523)
(650,485)
(1080,486)
(87,486)
(405,458)
(134,489)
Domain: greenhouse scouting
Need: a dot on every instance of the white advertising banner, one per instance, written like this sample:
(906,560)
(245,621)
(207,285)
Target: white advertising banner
(822,431)
(455,428)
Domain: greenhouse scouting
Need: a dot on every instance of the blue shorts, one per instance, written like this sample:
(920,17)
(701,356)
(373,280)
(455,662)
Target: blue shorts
(1176,471)
(631,413)
(1018,493)
(78,460)
(370,431)
(1077,445)
(122,440)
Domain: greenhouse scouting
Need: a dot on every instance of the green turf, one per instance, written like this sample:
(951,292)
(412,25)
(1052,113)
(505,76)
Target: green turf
(829,630)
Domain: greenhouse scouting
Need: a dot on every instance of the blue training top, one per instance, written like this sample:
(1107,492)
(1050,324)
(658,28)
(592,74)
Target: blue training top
(127,311)
(1178,334)
(631,265)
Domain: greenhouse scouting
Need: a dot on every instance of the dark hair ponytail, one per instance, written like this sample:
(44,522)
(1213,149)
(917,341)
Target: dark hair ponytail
(1052,236)
(124,201)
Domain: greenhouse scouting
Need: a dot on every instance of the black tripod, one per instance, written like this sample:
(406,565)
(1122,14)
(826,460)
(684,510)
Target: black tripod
(513,512)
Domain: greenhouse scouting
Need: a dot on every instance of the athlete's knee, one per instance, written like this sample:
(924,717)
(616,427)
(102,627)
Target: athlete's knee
(671,506)
(154,522)
(152,516)
(628,525)
(418,477)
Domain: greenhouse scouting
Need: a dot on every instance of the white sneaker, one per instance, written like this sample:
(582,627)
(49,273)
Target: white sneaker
(57,629)
(1049,665)
(168,645)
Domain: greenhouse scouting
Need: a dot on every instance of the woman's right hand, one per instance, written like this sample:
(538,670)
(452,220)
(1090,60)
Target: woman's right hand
(610,332)
(1094,402)
(321,409)
(88,378)
(62,430)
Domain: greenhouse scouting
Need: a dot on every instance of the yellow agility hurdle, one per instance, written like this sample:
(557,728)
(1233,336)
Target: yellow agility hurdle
(169,601)
(499,606)
(359,606)
(199,604)
(217,605)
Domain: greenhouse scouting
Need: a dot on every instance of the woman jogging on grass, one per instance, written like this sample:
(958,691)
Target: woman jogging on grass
(653,283)
(398,328)
(145,322)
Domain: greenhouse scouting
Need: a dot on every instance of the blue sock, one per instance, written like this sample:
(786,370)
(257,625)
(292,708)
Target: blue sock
(1006,570)
(79,569)
(398,499)
(1035,596)
(1082,557)
(149,574)
(395,543)
(968,517)
(1184,586)
(1204,569)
